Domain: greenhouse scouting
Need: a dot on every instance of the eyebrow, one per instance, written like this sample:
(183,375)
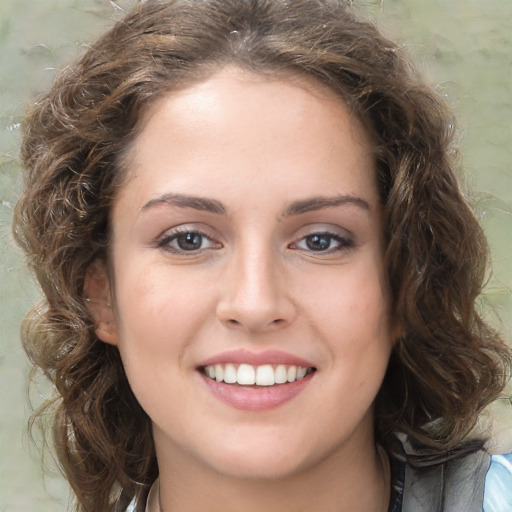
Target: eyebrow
(185,201)
(295,208)
(319,203)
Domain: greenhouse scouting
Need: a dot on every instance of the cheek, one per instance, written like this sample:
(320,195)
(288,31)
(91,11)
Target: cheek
(351,301)
(159,318)
(155,323)
(352,317)
(160,298)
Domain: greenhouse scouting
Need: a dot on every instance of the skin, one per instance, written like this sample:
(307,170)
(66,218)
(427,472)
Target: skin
(264,150)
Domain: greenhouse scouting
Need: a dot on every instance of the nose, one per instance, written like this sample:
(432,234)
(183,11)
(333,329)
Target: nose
(254,295)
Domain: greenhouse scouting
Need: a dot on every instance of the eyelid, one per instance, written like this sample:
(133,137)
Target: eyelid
(164,239)
(345,238)
(343,242)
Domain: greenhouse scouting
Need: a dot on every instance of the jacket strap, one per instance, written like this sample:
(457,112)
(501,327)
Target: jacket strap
(449,487)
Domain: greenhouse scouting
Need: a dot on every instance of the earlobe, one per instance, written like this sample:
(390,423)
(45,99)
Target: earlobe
(99,301)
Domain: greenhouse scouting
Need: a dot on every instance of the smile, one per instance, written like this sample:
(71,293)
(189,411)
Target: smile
(249,375)
(256,381)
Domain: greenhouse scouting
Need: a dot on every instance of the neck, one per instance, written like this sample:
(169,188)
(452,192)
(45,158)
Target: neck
(355,482)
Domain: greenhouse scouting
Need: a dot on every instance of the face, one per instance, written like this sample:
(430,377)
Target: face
(250,309)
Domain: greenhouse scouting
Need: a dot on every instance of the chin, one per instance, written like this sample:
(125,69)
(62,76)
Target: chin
(267,469)
(264,462)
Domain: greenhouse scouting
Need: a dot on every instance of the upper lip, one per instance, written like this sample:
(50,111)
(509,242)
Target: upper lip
(243,356)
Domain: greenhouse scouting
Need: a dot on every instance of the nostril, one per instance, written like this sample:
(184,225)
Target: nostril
(278,322)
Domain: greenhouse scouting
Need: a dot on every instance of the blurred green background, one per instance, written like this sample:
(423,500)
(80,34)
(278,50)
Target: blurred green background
(464,49)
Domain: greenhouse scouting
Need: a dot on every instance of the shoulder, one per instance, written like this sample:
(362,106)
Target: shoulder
(498,484)
(475,482)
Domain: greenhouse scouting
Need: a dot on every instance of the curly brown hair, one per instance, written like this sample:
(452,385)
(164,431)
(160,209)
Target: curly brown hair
(448,363)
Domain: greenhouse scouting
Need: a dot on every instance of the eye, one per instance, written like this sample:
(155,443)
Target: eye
(323,242)
(181,241)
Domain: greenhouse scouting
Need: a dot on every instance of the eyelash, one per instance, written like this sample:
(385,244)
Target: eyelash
(174,236)
(342,242)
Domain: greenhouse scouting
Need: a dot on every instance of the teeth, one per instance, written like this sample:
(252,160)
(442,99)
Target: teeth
(301,373)
(281,375)
(219,373)
(230,374)
(248,375)
(291,374)
(210,371)
(265,375)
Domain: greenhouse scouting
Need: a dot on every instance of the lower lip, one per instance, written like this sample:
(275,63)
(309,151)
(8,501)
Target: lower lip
(257,398)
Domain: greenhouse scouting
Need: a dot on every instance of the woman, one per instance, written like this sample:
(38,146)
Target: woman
(259,271)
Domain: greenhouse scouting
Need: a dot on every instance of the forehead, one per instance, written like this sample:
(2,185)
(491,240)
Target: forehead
(223,96)
(238,123)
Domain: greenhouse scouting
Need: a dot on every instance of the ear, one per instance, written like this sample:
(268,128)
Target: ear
(99,301)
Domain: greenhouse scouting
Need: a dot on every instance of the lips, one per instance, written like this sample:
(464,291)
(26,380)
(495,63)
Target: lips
(256,381)
(274,357)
